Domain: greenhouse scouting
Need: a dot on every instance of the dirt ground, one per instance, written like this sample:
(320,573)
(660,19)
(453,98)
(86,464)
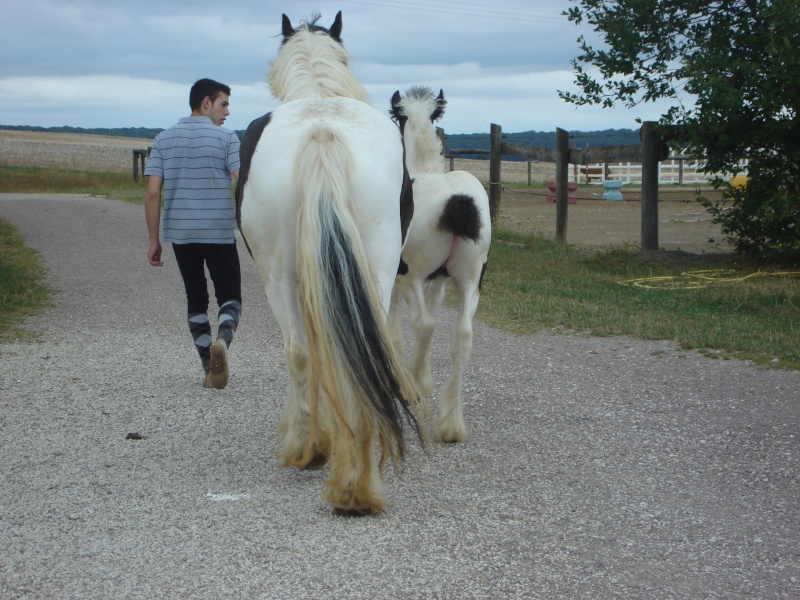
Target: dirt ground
(683,224)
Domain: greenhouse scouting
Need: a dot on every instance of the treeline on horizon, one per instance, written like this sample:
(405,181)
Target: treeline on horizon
(543,139)
(469,141)
(132,132)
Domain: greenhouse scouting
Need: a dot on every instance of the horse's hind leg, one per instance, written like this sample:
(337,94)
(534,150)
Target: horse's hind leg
(296,426)
(354,486)
(451,411)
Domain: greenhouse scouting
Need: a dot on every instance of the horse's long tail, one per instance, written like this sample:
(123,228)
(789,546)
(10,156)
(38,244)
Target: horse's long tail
(353,362)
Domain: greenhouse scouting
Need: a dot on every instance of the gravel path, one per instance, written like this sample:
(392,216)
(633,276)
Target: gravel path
(595,467)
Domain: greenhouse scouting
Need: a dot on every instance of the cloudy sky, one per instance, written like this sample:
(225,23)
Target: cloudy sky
(130,63)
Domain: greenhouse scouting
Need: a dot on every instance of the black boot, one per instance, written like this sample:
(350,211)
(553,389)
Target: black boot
(200,329)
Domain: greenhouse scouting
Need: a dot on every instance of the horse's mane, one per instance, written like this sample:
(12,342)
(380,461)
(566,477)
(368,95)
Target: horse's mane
(421,108)
(311,63)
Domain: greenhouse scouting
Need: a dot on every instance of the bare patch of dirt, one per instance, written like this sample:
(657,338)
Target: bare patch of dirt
(683,224)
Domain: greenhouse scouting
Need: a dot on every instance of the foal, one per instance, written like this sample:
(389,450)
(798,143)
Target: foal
(449,237)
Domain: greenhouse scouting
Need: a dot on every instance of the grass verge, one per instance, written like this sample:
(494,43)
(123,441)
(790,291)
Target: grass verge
(30,180)
(722,306)
(21,291)
(21,268)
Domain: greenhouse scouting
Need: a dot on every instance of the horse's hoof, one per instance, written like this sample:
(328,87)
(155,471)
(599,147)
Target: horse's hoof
(317,462)
(364,507)
(355,502)
(355,512)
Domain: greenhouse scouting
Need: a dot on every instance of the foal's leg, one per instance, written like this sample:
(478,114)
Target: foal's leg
(451,411)
(423,326)
(434,294)
(393,317)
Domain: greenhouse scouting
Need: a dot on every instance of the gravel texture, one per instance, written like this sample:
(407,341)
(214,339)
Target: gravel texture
(595,467)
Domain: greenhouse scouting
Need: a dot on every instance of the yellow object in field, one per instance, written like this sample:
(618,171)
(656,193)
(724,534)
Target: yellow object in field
(739,181)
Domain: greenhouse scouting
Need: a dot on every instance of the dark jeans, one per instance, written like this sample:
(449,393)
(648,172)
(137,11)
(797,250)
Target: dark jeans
(222,261)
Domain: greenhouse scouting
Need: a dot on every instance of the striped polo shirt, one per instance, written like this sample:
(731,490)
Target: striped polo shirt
(196,159)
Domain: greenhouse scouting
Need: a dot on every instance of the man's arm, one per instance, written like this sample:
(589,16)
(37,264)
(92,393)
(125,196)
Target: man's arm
(152,213)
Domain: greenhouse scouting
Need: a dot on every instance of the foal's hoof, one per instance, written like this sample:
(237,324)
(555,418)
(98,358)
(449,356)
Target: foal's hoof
(451,436)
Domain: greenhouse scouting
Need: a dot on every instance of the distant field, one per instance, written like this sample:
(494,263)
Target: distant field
(68,150)
(113,154)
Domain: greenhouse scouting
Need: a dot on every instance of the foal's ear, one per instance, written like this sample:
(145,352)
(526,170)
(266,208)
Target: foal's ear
(394,112)
(288,30)
(336,28)
(438,112)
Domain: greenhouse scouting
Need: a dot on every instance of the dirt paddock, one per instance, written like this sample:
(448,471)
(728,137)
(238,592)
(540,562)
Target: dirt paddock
(683,224)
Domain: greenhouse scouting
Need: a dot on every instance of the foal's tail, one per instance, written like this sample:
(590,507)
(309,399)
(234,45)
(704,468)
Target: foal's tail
(353,362)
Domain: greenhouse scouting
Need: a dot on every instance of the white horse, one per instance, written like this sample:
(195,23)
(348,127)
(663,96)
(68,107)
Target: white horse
(450,236)
(323,203)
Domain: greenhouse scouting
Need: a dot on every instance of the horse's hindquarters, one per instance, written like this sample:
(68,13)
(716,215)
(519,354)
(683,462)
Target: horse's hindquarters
(271,194)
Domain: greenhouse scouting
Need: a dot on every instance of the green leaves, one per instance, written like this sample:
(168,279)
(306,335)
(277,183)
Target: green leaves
(738,62)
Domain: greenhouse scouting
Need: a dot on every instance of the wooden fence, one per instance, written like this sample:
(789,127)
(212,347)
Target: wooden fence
(140,158)
(648,154)
(675,170)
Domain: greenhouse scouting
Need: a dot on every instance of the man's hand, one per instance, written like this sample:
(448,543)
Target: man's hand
(154,254)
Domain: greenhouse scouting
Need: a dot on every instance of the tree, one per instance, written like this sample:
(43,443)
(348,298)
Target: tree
(732,68)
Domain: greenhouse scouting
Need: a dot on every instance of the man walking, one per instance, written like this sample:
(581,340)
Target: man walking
(193,161)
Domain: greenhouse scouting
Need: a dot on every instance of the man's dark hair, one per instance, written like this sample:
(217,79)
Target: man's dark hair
(206,87)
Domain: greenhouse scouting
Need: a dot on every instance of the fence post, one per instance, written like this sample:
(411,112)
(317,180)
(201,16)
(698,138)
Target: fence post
(650,141)
(495,162)
(562,181)
(135,166)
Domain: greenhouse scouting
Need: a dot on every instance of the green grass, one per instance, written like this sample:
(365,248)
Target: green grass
(29,180)
(532,284)
(21,268)
(21,291)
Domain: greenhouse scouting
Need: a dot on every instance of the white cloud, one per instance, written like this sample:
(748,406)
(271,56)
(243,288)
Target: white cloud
(101,63)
